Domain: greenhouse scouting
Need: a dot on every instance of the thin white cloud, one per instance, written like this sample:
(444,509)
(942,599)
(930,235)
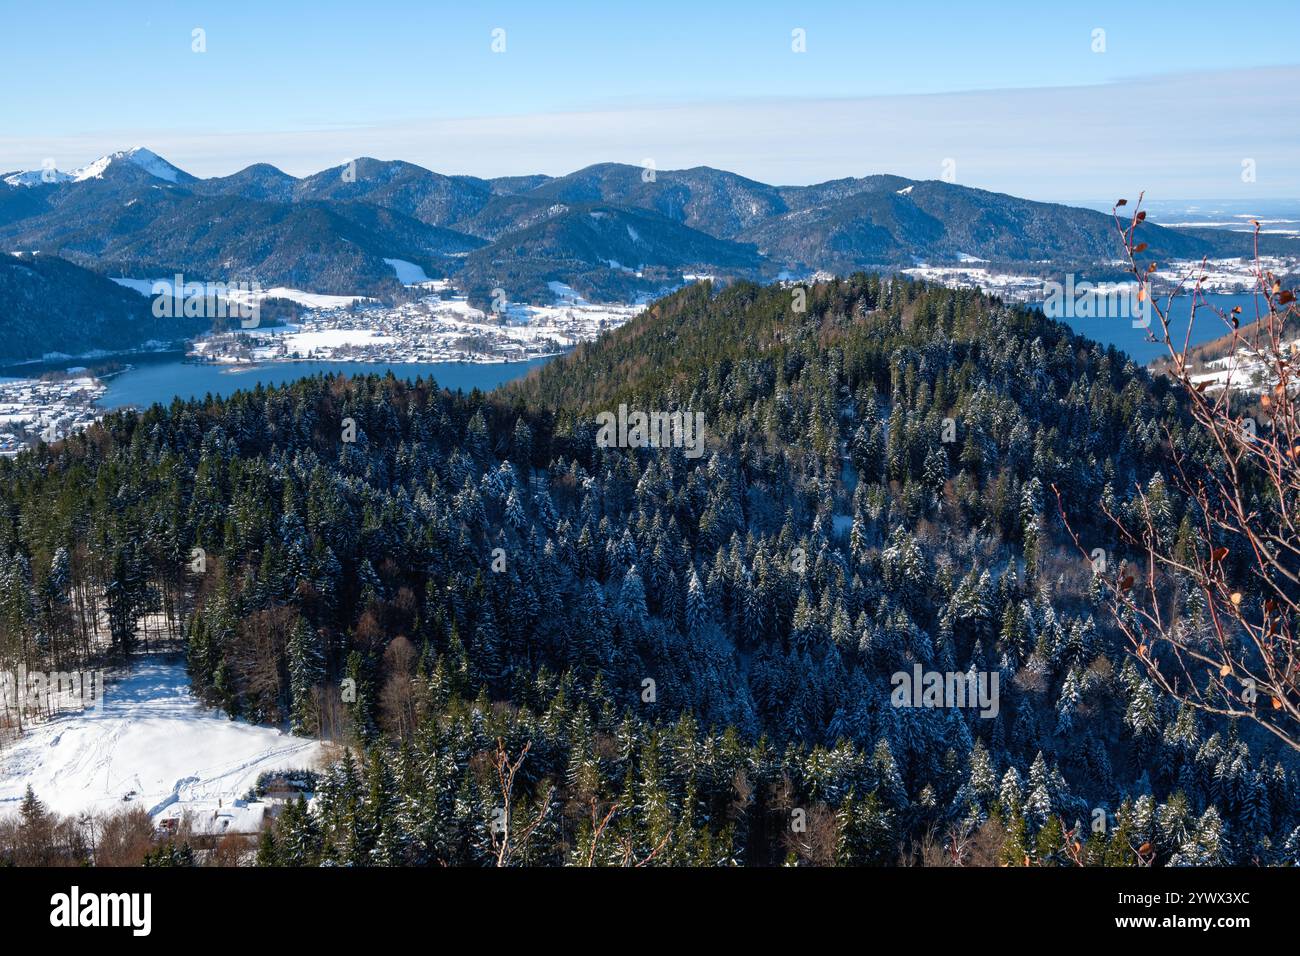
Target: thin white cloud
(1182,136)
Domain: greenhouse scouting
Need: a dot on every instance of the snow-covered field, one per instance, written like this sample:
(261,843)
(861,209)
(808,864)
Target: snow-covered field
(1244,370)
(440,326)
(1013,288)
(408,273)
(1226,276)
(308,343)
(313,300)
(151,742)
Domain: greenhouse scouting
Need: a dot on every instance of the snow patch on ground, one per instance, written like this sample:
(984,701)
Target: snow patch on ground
(408,273)
(312,300)
(565,294)
(143,286)
(305,343)
(152,743)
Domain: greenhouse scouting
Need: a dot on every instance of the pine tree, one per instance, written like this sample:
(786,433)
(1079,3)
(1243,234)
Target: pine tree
(983,781)
(698,613)
(1038,805)
(1011,793)
(306,674)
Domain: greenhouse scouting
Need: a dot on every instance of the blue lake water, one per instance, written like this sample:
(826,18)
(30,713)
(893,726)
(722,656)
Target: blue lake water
(162,378)
(1120,333)
(161,381)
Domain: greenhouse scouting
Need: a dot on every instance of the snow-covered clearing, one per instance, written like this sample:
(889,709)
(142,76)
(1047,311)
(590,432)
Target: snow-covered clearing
(305,343)
(312,300)
(152,741)
(408,273)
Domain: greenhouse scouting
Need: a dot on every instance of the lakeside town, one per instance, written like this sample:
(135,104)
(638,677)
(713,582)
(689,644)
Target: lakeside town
(47,408)
(439,326)
(1234,276)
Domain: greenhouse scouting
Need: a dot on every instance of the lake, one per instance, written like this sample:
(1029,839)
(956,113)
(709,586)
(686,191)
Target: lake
(1120,333)
(161,378)
(160,381)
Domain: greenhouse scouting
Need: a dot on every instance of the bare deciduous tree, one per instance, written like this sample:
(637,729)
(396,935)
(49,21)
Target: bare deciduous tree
(399,700)
(510,840)
(1235,652)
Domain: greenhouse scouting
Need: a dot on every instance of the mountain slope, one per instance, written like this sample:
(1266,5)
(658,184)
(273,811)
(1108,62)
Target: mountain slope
(724,632)
(857,224)
(714,201)
(334,248)
(131,164)
(424,195)
(597,249)
(331,231)
(145,232)
(52,305)
(259,181)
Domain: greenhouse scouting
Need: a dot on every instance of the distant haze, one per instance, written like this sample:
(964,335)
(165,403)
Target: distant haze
(1048,144)
(1023,102)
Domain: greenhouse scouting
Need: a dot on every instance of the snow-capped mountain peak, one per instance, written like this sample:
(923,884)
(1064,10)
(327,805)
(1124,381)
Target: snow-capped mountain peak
(146,159)
(140,156)
(37,177)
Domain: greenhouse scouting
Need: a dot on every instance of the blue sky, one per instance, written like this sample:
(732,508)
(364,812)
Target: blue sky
(1017,99)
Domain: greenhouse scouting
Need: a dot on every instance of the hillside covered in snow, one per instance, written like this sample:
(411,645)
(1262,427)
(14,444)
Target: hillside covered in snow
(151,743)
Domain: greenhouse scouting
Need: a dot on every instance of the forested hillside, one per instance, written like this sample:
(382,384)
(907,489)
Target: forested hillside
(665,659)
(51,305)
(612,232)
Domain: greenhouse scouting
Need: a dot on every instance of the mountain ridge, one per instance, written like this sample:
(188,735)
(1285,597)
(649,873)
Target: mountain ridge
(521,233)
